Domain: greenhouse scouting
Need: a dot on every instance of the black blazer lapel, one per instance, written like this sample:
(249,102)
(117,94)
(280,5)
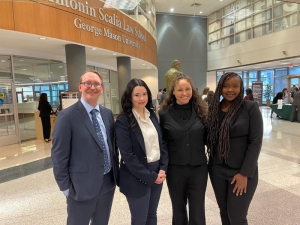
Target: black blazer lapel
(192,119)
(87,122)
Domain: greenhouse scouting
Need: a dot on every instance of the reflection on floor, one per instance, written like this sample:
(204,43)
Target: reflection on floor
(35,199)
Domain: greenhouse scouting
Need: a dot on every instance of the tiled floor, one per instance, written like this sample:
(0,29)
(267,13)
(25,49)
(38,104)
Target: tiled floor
(36,200)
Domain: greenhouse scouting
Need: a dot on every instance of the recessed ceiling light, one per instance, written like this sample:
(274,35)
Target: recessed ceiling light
(43,38)
(60,67)
(200,12)
(24,69)
(94,49)
(149,12)
(132,59)
(114,53)
(171,9)
(21,60)
(3,61)
(144,64)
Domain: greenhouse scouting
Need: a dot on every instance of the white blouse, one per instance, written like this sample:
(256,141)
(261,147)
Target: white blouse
(150,136)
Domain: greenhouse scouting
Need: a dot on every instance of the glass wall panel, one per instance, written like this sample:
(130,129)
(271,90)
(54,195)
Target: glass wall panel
(228,20)
(214,45)
(262,29)
(214,26)
(115,101)
(5,66)
(227,31)
(267,77)
(214,36)
(280,81)
(285,22)
(7,118)
(243,36)
(262,17)
(294,70)
(227,41)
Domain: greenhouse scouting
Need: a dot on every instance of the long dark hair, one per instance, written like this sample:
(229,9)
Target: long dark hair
(198,104)
(126,103)
(43,97)
(219,134)
(249,94)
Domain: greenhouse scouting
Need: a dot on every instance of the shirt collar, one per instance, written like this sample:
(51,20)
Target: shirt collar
(137,116)
(88,107)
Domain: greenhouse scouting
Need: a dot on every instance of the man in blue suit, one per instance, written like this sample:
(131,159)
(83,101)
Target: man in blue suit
(85,160)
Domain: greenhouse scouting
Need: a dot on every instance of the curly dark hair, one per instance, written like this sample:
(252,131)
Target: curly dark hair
(198,104)
(219,134)
(126,103)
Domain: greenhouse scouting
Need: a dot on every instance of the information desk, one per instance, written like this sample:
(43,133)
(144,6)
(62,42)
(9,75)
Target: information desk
(38,125)
(285,112)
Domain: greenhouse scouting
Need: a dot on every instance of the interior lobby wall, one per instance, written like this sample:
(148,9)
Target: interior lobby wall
(150,78)
(185,39)
(266,48)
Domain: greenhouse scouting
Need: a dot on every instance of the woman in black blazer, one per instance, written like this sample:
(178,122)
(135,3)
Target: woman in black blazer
(45,111)
(235,132)
(183,118)
(144,155)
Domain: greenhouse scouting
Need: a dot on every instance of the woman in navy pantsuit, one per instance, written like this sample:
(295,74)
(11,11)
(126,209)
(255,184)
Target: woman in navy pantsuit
(144,155)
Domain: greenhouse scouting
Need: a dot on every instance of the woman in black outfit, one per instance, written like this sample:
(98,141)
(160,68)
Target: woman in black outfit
(45,111)
(183,118)
(235,132)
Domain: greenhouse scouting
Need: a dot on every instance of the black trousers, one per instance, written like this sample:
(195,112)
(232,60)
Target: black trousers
(46,127)
(233,209)
(187,184)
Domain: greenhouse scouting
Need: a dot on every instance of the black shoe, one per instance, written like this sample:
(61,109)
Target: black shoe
(47,140)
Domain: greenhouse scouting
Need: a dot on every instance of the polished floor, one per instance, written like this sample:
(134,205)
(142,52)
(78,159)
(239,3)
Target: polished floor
(30,196)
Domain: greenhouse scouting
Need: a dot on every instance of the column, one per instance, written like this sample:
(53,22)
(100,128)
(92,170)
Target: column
(76,64)
(124,73)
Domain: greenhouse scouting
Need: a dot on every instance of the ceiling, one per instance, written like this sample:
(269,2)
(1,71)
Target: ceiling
(187,7)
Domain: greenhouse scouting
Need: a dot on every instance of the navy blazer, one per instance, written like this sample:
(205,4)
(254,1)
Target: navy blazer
(135,177)
(78,161)
(245,134)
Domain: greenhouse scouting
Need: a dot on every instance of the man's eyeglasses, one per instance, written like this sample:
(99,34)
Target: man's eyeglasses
(90,84)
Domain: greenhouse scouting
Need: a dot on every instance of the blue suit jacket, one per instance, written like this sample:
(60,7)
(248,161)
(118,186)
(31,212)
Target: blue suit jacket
(77,157)
(135,177)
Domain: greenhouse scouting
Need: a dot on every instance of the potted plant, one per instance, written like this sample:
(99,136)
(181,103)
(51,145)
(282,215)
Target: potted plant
(268,93)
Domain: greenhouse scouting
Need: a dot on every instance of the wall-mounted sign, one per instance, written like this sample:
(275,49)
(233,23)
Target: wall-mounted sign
(257,88)
(102,16)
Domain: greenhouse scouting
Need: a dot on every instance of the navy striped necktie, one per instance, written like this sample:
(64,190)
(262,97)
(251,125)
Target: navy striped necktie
(101,139)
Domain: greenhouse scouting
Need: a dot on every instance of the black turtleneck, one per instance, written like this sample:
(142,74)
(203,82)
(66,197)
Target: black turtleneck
(184,111)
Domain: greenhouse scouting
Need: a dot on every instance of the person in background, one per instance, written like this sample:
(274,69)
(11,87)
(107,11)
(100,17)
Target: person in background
(204,93)
(45,111)
(163,96)
(296,106)
(280,95)
(183,119)
(84,156)
(235,133)
(209,97)
(249,95)
(144,154)
(159,95)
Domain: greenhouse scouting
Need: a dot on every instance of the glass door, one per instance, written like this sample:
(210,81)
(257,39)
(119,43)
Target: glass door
(8,120)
